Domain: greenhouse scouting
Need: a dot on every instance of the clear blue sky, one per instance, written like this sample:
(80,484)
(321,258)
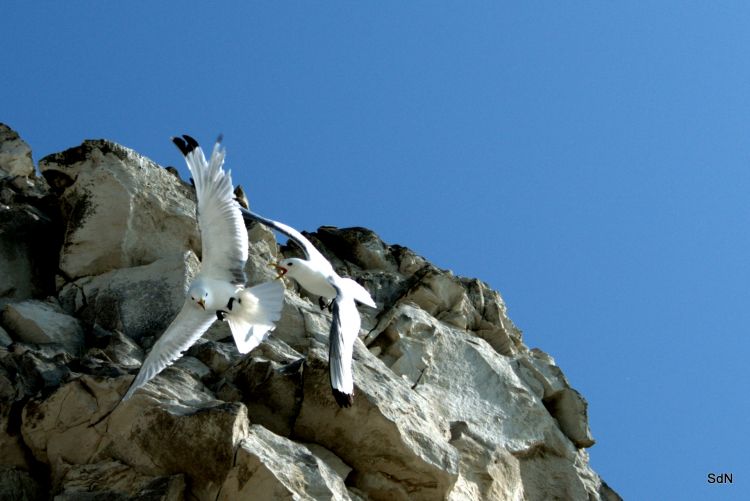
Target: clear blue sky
(590,160)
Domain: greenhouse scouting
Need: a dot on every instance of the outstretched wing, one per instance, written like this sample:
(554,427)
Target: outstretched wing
(345,325)
(189,324)
(311,253)
(358,292)
(222,229)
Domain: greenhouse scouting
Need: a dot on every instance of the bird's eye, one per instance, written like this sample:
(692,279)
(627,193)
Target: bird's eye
(290,264)
(192,297)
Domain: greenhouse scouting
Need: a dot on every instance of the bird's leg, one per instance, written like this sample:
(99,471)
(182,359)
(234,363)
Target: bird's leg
(292,367)
(325,306)
(220,314)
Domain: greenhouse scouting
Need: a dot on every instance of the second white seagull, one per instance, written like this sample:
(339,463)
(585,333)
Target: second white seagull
(316,275)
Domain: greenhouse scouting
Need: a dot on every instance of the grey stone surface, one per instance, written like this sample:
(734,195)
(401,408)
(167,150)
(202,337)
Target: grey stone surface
(270,467)
(5,339)
(15,154)
(42,322)
(137,301)
(113,480)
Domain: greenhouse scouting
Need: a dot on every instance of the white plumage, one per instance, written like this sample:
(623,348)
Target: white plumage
(316,275)
(218,291)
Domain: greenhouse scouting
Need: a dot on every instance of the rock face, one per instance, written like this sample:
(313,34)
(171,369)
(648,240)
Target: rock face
(43,323)
(15,154)
(450,403)
(113,203)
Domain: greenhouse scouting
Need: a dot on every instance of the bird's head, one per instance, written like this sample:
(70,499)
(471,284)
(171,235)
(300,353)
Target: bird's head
(287,267)
(199,295)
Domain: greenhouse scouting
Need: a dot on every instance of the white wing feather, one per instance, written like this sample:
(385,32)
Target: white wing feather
(223,232)
(311,253)
(358,292)
(345,325)
(189,324)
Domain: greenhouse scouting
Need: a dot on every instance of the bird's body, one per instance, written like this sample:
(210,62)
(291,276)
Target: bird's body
(218,291)
(221,291)
(314,279)
(316,275)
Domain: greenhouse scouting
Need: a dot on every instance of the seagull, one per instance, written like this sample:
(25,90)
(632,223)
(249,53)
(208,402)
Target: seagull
(316,275)
(218,292)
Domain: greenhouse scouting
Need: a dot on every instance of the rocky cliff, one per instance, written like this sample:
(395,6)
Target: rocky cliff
(95,256)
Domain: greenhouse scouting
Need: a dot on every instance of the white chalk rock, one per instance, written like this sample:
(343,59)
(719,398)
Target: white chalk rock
(120,209)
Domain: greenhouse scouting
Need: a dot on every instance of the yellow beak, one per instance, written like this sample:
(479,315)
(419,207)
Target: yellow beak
(202,303)
(280,269)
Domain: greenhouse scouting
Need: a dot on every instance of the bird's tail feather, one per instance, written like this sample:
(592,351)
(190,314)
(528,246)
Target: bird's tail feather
(254,313)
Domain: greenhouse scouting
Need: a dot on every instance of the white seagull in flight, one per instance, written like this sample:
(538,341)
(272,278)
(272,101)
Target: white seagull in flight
(218,291)
(316,275)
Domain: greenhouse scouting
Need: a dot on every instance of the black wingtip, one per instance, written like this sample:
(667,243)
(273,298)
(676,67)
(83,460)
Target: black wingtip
(343,399)
(220,139)
(185,144)
(192,143)
(180,145)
